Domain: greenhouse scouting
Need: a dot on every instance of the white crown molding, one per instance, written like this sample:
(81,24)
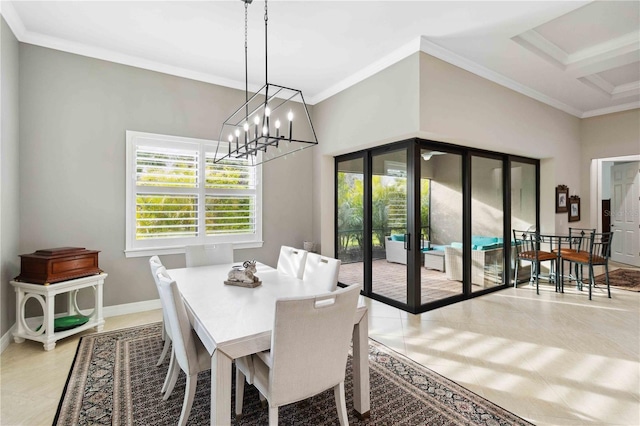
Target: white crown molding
(13,19)
(619,45)
(542,47)
(450,57)
(611,110)
(396,56)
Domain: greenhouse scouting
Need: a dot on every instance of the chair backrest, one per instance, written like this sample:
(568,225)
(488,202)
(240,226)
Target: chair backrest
(291,261)
(579,238)
(321,272)
(525,244)
(155,264)
(310,343)
(600,247)
(182,338)
(209,254)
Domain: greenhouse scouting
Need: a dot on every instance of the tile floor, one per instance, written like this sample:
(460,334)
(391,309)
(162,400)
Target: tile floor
(555,359)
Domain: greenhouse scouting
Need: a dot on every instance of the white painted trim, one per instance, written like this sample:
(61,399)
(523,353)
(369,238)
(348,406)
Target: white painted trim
(540,45)
(108,311)
(13,19)
(611,110)
(374,68)
(7,338)
(620,45)
(446,55)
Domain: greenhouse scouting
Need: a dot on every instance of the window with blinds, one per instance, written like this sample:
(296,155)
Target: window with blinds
(177,195)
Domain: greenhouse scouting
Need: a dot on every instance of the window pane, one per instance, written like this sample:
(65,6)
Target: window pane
(350,211)
(229,174)
(166,167)
(227,215)
(166,216)
(487,210)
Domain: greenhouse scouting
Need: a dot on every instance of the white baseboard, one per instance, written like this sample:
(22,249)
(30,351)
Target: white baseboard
(107,311)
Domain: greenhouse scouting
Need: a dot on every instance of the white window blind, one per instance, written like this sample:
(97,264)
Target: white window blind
(177,195)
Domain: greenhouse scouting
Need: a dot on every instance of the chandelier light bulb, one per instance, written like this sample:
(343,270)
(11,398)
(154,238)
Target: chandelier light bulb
(230,137)
(256,120)
(265,130)
(246,126)
(267,111)
(277,124)
(290,116)
(237,133)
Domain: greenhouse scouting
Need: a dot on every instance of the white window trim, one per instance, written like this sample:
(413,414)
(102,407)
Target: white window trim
(135,248)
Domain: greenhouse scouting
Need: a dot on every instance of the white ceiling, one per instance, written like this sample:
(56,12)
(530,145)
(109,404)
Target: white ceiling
(578,56)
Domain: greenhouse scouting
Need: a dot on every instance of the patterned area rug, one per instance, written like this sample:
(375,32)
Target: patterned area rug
(625,279)
(114,380)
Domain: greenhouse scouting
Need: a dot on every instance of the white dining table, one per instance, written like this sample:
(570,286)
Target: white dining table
(235,321)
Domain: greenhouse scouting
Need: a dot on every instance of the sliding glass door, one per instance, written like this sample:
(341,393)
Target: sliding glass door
(422,224)
(390,237)
(440,225)
(350,220)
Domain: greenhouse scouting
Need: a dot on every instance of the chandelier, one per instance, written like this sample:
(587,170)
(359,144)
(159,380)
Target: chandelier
(267,126)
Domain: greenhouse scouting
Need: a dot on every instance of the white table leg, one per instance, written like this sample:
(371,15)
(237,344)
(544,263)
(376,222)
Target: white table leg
(98,306)
(361,397)
(220,388)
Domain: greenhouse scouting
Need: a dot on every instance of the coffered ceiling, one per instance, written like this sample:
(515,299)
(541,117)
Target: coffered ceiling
(578,56)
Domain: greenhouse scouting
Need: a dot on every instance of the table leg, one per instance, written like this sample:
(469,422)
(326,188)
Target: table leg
(361,397)
(220,388)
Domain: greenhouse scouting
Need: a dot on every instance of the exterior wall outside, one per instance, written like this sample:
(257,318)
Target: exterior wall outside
(605,136)
(74,112)
(9,189)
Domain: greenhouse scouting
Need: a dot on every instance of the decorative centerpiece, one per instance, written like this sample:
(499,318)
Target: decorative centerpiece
(244,276)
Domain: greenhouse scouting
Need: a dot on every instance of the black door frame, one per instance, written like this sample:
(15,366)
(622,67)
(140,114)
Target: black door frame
(413,148)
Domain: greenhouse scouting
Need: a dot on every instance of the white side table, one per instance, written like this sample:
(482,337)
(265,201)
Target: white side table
(45,295)
(434,259)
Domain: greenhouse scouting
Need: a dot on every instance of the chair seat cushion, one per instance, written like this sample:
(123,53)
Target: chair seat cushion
(542,255)
(583,257)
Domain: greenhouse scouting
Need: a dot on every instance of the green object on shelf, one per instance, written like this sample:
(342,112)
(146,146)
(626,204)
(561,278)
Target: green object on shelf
(67,323)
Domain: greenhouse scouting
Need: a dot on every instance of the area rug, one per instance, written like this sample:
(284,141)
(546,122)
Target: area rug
(625,279)
(114,381)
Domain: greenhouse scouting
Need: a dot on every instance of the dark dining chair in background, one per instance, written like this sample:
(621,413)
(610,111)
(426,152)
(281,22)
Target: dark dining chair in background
(598,254)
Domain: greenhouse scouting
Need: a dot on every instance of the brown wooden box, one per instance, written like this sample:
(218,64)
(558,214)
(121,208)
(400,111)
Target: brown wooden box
(58,264)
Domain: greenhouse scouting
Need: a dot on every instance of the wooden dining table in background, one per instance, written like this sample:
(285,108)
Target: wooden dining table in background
(235,321)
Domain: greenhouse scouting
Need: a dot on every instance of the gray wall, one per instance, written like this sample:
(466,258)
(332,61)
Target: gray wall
(74,112)
(9,186)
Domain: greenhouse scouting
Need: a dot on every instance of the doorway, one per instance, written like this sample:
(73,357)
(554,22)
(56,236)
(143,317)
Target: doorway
(618,180)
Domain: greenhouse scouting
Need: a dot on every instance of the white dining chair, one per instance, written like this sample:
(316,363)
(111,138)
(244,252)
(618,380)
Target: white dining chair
(209,254)
(291,261)
(190,354)
(309,348)
(321,272)
(154,264)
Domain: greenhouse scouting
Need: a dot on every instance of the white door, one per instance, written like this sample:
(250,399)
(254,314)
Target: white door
(625,213)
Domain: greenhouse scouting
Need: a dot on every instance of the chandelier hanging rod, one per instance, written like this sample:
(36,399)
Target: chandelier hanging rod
(252,139)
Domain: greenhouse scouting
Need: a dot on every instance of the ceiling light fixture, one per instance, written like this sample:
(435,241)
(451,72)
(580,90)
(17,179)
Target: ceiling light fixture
(263,128)
(426,156)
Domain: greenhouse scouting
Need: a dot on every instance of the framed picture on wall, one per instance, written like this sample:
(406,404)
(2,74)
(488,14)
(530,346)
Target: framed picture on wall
(562,195)
(574,208)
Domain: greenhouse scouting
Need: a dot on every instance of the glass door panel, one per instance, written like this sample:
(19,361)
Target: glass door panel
(389,224)
(441,225)
(523,209)
(487,215)
(350,221)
